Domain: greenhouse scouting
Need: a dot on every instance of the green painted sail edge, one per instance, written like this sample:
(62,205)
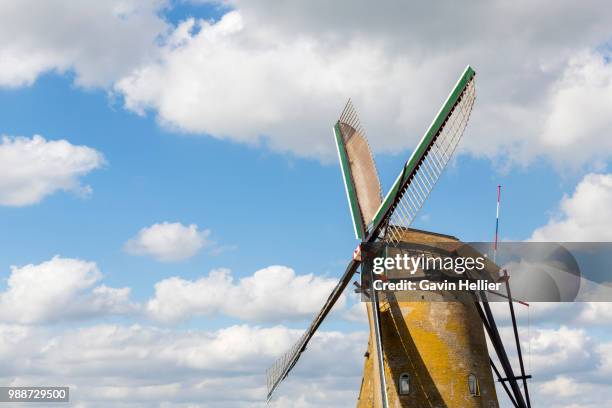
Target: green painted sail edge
(424,144)
(351,194)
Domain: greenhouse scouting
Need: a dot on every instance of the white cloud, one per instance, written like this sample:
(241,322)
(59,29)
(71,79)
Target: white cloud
(596,313)
(98,40)
(580,109)
(584,216)
(570,348)
(567,391)
(139,366)
(169,242)
(605,350)
(286,71)
(551,314)
(272,85)
(58,289)
(69,289)
(271,294)
(561,387)
(569,365)
(33,168)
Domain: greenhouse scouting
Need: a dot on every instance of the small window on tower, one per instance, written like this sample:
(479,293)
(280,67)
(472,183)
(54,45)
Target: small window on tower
(473,385)
(404,384)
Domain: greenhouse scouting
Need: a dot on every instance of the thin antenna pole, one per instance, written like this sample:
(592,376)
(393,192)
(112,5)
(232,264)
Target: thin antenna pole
(496,223)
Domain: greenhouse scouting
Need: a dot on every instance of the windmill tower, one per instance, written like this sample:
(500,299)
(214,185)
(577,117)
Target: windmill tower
(423,353)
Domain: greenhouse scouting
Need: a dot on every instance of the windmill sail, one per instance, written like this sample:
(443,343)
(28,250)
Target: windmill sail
(364,195)
(358,170)
(422,170)
(285,363)
(400,205)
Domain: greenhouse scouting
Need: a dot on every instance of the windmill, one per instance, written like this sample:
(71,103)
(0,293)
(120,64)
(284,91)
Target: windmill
(403,366)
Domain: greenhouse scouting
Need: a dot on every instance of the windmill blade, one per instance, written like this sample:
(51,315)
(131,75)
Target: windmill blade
(427,162)
(282,366)
(364,197)
(358,169)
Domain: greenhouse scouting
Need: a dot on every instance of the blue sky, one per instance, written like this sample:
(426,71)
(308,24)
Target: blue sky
(220,116)
(248,196)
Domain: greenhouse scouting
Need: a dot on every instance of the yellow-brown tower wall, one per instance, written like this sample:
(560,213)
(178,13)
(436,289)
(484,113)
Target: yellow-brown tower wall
(438,344)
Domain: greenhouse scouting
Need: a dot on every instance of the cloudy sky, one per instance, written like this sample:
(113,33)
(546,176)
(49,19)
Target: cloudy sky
(173,214)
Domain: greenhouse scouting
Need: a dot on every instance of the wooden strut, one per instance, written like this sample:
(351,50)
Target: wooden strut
(516,339)
(484,311)
(379,350)
(516,378)
(503,383)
